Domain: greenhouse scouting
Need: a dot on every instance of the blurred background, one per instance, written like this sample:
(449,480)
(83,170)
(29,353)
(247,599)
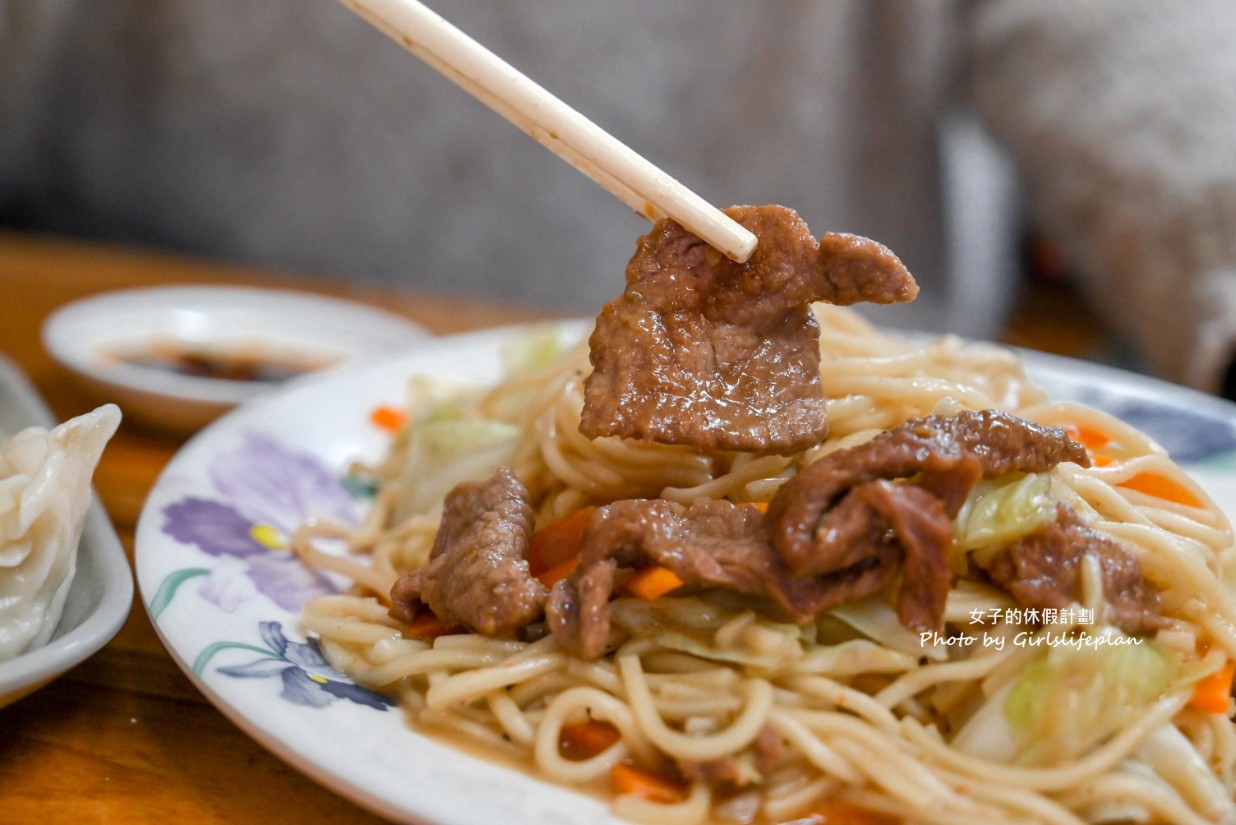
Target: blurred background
(1063,161)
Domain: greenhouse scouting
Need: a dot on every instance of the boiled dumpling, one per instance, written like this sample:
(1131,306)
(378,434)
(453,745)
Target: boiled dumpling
(44,495)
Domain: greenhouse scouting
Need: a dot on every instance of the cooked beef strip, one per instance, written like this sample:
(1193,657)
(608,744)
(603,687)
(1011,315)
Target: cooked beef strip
(855,522)
(703,351)
(910,481)
(712,543)
(848,525)
(406,597)
(943,455)
(577,609)
(1043,570)
(478,573)
(719,544)
(925,535)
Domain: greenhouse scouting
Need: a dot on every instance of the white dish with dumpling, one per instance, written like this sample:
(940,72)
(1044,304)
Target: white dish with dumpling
(65,583)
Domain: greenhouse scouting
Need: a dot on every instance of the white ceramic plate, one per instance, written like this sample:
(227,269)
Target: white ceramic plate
(102,591)
(227,607)
(140,347)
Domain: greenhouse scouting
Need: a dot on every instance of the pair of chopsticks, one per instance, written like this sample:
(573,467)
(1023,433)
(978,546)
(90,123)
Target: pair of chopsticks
(555,125)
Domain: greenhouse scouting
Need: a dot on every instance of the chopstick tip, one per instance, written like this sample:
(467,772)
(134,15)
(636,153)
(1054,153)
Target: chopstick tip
(741,253)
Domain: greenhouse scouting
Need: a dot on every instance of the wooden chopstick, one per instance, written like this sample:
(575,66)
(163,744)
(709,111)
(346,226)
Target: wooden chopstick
(607,161)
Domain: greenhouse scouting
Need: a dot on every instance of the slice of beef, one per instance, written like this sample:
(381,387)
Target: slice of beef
(852,523)
(864,516)
(712,544)
(943,455)
(719,544)
(703,351)
(1043,570)
(478,574)
(922,530)
(577,609)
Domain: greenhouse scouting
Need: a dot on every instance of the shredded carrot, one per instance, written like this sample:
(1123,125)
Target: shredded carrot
(627,779)
(558,542)
(425,626)
(582,740)
(1152,484)
(391,419)
(1088,438)
(651,582)
(1162,487)
(761,505)
(1212,693)
(557,573)
(841,813)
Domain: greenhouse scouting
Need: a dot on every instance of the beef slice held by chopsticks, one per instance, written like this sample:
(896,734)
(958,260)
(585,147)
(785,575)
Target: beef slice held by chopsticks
(703,351)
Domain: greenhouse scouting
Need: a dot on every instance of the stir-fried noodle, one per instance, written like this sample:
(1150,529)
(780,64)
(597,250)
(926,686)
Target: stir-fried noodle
(1010,715)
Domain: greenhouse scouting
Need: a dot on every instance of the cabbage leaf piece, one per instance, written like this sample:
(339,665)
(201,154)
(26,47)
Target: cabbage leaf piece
(1078,694)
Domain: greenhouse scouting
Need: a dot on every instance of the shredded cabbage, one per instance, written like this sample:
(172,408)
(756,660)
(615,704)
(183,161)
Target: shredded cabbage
(1079,693)
(536,348)
(778,649)
(1001,510)
(432,398)
(875,619)
(854,657)
(648,617)
(987,733)
(695,625)
(444,450)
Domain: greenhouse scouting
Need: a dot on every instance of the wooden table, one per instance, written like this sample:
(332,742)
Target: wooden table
(125,737)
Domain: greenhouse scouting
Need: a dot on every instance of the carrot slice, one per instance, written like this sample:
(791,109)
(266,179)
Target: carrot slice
(582,740)
(841,813)
(1153,484)
(558,542)
(1212,693)
(391,419)
(1089,438)
(1162,487)
(627,779)
(557,573)
(425,626)
(652,582)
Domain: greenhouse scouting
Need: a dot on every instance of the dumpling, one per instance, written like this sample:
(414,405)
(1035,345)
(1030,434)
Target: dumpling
(44,495)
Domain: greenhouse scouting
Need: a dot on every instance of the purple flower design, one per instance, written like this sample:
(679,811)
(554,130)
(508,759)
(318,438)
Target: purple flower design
(308,679)
(264,492)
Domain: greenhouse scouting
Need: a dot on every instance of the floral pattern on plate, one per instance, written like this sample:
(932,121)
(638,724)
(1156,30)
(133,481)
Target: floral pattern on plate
(261,492)
(307,678)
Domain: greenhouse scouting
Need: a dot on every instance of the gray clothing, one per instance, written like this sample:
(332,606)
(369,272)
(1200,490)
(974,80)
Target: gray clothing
(1126,141)
(289,133)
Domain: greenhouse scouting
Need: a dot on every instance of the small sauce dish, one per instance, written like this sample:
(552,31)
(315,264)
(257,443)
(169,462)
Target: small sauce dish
(179,357)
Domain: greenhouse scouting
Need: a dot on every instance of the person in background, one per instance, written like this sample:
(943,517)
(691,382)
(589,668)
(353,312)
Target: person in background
(290,134)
